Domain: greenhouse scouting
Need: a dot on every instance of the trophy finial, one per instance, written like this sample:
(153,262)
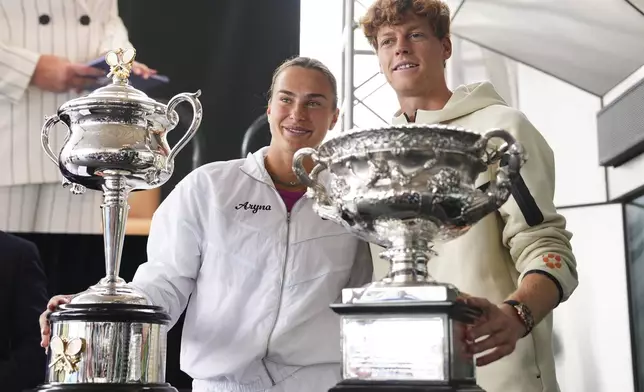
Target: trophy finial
(120,62)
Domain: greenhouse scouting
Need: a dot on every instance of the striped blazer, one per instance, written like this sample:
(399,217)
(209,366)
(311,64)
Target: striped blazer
(78,30)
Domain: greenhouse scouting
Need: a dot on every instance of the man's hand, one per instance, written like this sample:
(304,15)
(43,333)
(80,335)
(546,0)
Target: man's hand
(45,329)
(58,75)
(501,327)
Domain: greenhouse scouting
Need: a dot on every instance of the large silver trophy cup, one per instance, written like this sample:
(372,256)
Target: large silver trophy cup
(111,337)
(406,188)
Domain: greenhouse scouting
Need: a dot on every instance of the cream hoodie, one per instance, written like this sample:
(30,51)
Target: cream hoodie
(526,235)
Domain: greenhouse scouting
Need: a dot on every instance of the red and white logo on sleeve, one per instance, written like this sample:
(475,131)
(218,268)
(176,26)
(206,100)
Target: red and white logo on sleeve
(552,260)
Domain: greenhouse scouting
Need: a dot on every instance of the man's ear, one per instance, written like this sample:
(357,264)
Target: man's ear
(336,115)
(447,48)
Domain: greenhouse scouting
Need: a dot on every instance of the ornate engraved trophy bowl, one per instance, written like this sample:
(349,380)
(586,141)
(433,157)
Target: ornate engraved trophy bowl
(111,337)
(412,181)
(407,188)
(118,128)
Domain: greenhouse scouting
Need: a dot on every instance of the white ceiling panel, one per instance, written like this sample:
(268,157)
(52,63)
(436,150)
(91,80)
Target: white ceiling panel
(592,44)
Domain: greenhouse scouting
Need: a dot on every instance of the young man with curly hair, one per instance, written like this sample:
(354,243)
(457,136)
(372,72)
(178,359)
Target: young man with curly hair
(517,264)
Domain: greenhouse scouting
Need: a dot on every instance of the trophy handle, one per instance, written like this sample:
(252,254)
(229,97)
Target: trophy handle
(50,121)
(300,172)
(498,191)
(511,150)
(194,125)
(326,208)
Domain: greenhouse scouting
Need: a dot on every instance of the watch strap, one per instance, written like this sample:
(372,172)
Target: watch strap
(524,314)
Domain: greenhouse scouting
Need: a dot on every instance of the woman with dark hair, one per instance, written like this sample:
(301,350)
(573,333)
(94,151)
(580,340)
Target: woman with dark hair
(241,241)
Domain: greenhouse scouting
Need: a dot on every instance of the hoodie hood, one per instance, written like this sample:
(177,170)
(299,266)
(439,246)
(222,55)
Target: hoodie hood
(465,100)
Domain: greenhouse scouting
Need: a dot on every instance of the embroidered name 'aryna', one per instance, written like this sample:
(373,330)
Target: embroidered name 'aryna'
(253,207)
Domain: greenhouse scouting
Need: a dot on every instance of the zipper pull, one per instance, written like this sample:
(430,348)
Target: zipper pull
(288,217)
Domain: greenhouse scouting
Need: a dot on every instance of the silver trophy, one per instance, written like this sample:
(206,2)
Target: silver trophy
(407,188)
(111,337)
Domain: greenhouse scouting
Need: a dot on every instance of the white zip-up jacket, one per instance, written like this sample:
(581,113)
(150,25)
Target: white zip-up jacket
(257,281)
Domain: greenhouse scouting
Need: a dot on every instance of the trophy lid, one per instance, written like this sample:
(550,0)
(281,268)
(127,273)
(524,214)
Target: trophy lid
(119,92)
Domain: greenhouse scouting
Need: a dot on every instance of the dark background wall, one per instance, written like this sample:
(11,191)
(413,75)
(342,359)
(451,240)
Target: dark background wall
(226,48)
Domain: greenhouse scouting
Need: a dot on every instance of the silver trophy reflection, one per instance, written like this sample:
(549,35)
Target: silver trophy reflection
(406,188)
(111,337)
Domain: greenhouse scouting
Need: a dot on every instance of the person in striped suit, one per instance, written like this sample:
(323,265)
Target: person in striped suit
(44,46)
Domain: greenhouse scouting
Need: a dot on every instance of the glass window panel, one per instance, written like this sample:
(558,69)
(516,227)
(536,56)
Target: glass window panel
(384,102)
(475,73)
(360,42)
(368,87)
(364,67)
(634,216)
(363,117)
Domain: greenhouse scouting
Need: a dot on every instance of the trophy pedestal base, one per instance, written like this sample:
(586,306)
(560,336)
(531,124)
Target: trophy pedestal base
(393,386)
(400,337)
(117,347)
(106,388)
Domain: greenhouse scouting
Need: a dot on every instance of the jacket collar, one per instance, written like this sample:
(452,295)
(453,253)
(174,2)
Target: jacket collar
(400,118)
(254,166)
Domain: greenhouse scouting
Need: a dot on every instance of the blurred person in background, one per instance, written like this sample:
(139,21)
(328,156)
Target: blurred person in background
(23,289)
(45,47)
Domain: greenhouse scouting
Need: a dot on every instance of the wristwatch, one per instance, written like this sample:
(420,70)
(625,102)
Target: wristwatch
(524,314)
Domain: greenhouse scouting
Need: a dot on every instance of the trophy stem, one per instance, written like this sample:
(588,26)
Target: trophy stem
(408,261)
(115,210)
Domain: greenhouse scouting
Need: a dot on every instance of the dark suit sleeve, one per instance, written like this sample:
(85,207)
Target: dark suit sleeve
(25,367)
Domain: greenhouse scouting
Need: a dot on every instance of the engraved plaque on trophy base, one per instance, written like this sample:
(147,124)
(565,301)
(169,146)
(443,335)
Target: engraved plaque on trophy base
(404,337)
